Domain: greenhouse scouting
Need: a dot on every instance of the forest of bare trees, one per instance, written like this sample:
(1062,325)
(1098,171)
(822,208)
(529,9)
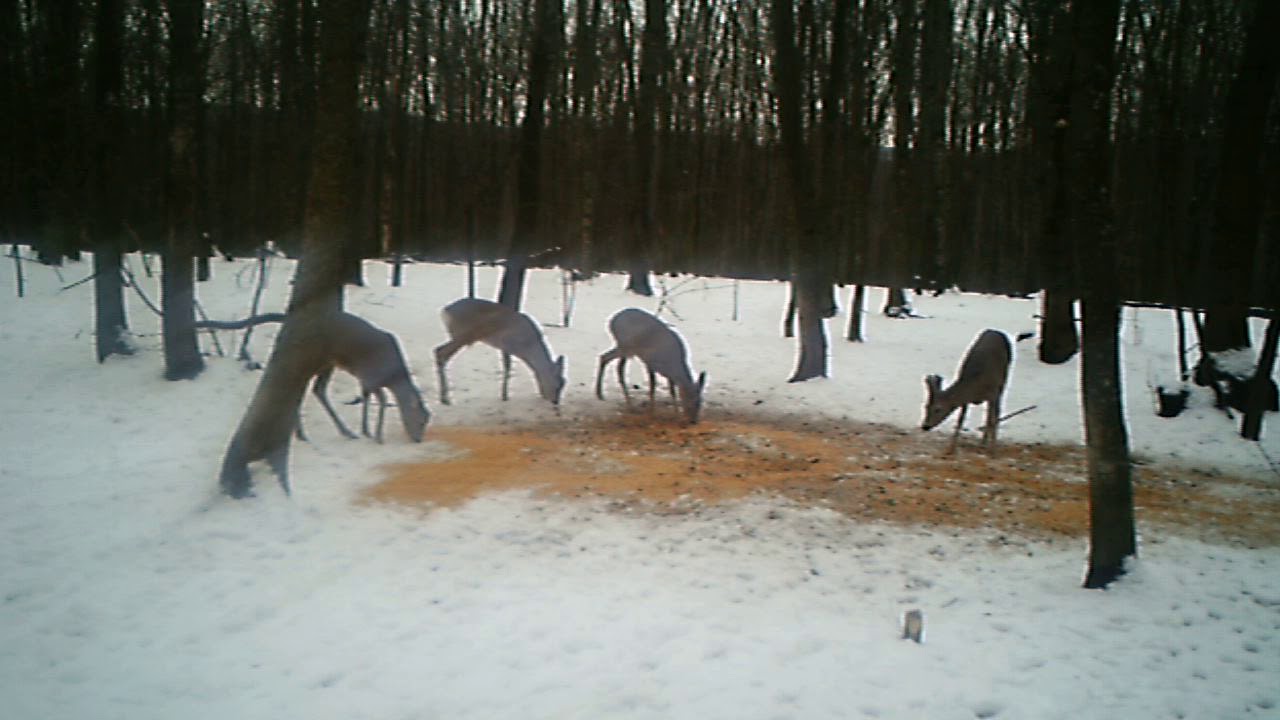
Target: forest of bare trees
(1108,152)
(929,125)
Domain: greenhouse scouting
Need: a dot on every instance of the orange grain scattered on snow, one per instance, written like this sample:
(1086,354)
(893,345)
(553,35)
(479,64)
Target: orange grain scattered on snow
(863,471)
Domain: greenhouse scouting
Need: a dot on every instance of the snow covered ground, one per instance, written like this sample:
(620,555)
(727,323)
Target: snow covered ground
(130,589)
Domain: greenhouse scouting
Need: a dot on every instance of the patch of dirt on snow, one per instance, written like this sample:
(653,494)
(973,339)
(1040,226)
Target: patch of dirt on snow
(864,471)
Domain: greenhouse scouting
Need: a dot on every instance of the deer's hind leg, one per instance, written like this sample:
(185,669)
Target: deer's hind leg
(606,357)
(622,378)
(445,353)
(320,390)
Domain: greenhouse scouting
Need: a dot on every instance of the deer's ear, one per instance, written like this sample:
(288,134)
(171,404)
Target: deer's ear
(933,382)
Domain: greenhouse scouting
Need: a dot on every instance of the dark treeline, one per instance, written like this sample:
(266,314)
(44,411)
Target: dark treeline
(965,92)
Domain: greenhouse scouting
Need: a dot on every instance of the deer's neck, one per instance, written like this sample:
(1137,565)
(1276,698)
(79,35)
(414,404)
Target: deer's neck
(536,356)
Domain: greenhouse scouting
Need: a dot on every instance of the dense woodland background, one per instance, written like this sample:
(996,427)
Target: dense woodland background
(660,141)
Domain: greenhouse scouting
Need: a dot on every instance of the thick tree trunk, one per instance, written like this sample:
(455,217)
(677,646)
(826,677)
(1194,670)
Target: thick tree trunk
(303,344)
(1261,386)
(1112,538)
(812,215)
(1238,207)
(110,324)
(110,317)
(652,71)
(813,303)
(182,358)
(856,312)
(526,235)
(1059,339)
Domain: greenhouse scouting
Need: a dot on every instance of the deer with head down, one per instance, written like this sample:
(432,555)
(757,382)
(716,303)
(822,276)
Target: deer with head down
(637,333)
(471,320)
(374,357)
(983,375)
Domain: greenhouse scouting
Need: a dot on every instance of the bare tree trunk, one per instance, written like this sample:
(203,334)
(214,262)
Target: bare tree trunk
(526,235)
(813,273)
(181,350)
(653,65)
(1059,340)
(1262,389)
(111,322)
(303,344)
(1238,209)
(1112,538)
(857,311)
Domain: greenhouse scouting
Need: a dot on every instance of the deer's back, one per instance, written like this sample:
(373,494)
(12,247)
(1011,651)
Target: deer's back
(473,319)
(366,351)
(637,332)
(986,366)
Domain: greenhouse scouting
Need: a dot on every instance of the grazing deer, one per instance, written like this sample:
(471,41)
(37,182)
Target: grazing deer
(472,320)
(374,357)
(636,333)
(983,375)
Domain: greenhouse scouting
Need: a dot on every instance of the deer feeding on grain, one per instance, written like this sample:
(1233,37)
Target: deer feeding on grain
(983,375)
(639,334)
(471,320)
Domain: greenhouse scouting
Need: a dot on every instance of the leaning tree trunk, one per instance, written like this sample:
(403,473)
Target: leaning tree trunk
(302,347)
(182,358)
(1112,538)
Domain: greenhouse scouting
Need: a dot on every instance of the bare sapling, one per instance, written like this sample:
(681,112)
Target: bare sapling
(983,375)
(373,356)
(513,333)
(639,334)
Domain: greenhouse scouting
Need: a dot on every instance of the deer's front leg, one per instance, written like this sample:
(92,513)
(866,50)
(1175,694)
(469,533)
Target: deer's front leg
(993,424)
(955,437)
(506,373)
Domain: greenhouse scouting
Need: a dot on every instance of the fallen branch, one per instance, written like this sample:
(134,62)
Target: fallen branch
(240,324)
(133,282)
(1016,413)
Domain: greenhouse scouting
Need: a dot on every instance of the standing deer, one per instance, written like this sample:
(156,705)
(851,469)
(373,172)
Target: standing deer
(983,375)
(636,333)
(374,357)
(472,320)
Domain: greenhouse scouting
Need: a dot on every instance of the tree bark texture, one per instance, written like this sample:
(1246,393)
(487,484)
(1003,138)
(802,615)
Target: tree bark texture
(302,347)
(1059,340)
(526,237)
(813,273)
(1238,210)
(1112,537)
(182,357)
(110,318)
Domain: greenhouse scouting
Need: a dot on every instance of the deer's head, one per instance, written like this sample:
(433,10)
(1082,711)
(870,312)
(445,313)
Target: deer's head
(551,386)
(415,415)
(936,408)
(691,399)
